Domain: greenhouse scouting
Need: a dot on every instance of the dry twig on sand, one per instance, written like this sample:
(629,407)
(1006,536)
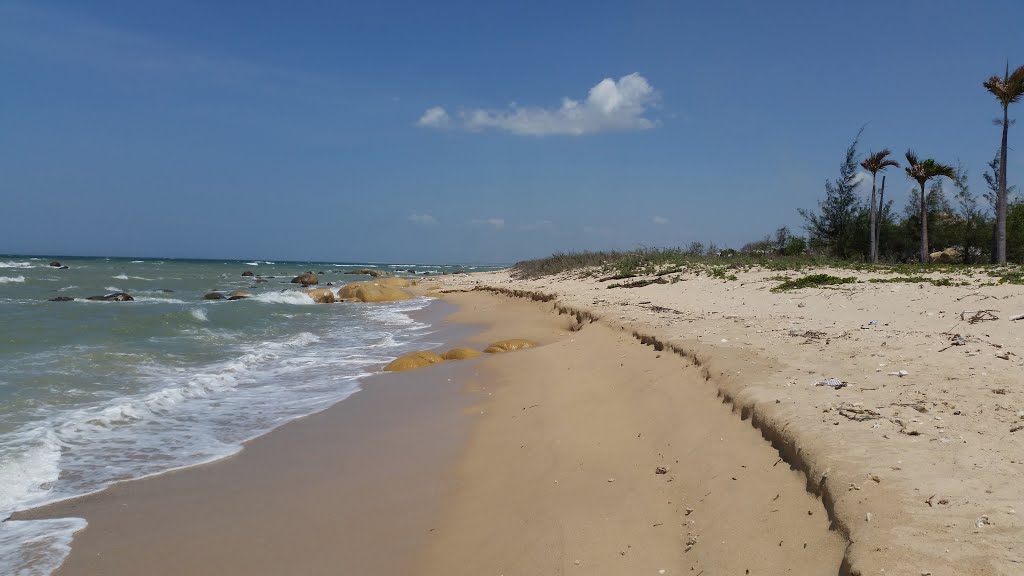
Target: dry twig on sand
(978,316)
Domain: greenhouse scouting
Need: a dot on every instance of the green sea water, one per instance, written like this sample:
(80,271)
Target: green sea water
(92,392)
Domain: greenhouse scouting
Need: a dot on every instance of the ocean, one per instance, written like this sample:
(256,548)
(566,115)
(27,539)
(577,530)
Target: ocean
(94,392)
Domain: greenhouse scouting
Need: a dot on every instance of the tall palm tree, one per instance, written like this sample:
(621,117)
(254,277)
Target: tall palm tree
(1007,90)
(923,171)
(876,163)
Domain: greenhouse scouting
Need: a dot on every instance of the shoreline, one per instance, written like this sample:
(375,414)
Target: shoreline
(479,487)
(166,505)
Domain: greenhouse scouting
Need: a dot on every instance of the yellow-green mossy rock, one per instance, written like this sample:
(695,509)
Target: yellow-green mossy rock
(413,360)
(460,354)
(509,345)
(393,281)
(372,292)
(321,295)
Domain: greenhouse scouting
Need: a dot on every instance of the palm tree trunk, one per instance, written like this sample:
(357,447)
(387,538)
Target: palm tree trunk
(924,226)
(1001,200)
(878,220)
(872,252)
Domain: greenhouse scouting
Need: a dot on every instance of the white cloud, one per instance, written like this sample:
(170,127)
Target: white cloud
(539,225)
(496,223)
(435,117)
(659,220)
(609,106)
(427,219)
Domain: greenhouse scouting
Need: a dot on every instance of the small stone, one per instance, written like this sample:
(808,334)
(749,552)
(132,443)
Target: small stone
(661,470)
(867,517)
(982,521)
(577,562)
(611,479)
(689,511)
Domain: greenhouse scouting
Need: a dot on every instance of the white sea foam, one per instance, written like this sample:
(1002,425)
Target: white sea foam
(111,289)
(10,279)
(123,276)
(37,547)
(252,263)
(184,414)
(287,297)
(12,264)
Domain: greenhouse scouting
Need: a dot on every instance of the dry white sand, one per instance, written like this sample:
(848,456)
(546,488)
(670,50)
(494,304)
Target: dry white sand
(922,473)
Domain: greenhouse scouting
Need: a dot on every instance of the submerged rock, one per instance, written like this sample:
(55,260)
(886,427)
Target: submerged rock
(239,295)
(321,295)
(115,297)
(414,360)
(509,345)
(62,299)
(461,354)
(307,279)
(214,296)
(247,273)
(55,264)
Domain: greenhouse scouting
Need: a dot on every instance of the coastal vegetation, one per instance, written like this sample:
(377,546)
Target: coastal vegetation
(935,231)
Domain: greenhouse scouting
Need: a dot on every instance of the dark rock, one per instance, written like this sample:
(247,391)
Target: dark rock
(307,279)
(62,268)
(247,273)
(55,264)
(167,291)
(260,280)
(214,296)
(62,299)
(368,272)
(115,297)
(239,295)
(411,270)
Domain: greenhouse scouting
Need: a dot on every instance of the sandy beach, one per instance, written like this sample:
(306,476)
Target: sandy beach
(920,470)
(591,453)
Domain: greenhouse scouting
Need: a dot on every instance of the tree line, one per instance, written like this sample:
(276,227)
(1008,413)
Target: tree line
(964,228)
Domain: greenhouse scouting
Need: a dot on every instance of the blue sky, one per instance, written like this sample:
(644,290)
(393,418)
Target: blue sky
(462,131)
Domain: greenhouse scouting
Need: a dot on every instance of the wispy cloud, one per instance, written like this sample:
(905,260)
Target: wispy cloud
(434,117)
(610,105)
(659,220)
(425,218)
(539,225)
(496,223)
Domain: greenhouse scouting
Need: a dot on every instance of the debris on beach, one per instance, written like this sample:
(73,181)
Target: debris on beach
(900,373)
(833,383)
(982,521)
(978,316)
(661,470)
(1016,317)
(858,413)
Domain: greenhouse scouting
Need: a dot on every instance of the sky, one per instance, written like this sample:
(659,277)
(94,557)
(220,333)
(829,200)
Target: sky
(470,132)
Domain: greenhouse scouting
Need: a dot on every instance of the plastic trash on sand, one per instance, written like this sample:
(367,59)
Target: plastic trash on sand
(872,322)
(900,373)
(834,383)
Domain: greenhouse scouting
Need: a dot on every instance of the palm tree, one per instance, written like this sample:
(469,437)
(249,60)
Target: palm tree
(1007,90)
(875,163)
(923,171)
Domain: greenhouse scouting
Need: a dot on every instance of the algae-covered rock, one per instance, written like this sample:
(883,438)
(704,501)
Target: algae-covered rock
(461,354)
(372,292)
(509,345)
(321,295)
(414,360)
(307,279)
